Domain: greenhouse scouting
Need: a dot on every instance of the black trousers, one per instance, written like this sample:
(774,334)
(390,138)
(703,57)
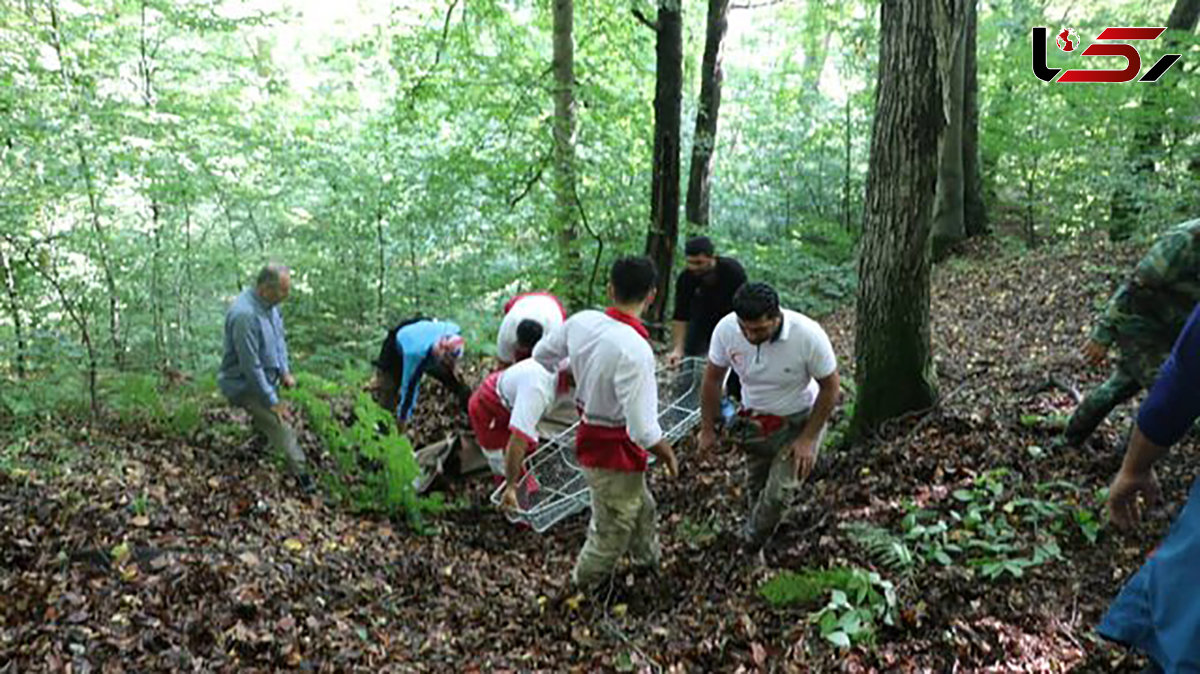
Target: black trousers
(693,346)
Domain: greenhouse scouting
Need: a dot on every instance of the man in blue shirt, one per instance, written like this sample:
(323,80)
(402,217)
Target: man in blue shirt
(414,348)
(256,364)
(1158,611)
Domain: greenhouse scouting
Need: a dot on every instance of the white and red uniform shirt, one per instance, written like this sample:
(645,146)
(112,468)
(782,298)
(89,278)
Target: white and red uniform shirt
(539,306)
(615,387)
(512,400)
(778,376)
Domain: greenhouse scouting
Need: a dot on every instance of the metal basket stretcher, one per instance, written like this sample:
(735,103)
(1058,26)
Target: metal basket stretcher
(554,488)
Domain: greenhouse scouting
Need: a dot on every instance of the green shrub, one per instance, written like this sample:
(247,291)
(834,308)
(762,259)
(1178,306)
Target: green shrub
(806,588)
(373,466)
(140,398)
(858,600)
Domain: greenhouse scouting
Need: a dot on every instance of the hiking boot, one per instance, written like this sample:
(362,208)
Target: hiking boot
(307,486)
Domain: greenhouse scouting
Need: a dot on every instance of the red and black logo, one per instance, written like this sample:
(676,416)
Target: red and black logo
(1068,41)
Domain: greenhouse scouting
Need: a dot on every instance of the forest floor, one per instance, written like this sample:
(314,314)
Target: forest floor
(126,551)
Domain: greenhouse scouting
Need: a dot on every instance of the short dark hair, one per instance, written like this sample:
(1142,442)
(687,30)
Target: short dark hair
(699,245)
(529,333)
(633,277)
(755,301)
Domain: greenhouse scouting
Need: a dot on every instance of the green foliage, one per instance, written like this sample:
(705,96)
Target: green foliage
(887,549)
(140,505)
(992,529)
(32,401)
(1051,422)
(858,600)
(1079,151)
(142,399)
(698,534)
(373,465)
(812,267)
(806,588)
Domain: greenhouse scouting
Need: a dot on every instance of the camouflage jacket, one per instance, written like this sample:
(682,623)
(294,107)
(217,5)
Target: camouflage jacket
(1156,301)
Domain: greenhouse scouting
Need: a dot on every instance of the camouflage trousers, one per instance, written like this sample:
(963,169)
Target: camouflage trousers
(771,482)
(1135,369)
(624,519)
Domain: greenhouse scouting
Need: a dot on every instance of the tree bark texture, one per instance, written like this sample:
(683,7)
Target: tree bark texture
(974,206)
(570,258)
(893,355)
(664,190)
(705,137)
(949,227)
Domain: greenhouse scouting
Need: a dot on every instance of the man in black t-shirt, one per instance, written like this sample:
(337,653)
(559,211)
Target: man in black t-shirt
(703,296)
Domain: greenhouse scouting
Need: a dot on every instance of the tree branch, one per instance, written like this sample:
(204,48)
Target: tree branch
(533,180)
(758,5)
(652,25)
(599,240)
(437,56)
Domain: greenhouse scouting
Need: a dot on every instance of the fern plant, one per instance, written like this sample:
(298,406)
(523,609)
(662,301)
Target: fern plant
(886,549)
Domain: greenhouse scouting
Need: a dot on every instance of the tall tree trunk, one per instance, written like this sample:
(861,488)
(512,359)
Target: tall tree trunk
(705,138)
(380,260)
(1128,197)
(158,311)
(893,358)
(185,288)
(974,207)
(14,312)
(57,43)
(948,214)
(157,299)
(565,206)
(664,190)
(847,147)
(101,243)
(231,231)
(78,313)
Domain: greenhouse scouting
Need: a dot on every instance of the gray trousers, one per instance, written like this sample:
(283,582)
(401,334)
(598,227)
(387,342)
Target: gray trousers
(624,519)
(280,434)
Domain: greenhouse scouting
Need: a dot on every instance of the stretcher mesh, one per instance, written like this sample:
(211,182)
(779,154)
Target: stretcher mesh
(553,488)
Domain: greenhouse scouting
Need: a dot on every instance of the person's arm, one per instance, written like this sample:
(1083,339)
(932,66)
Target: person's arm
(514,461)
(805,446)
(1169,411)
(637,391)
(821,363)
(678,333)
(710,405)
(1135,488)
(684,289)
(447,375)
(737,276)
(529,404)
(552,348)
(245,342)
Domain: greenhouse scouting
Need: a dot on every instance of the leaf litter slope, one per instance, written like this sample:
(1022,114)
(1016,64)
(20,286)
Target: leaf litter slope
(131,552)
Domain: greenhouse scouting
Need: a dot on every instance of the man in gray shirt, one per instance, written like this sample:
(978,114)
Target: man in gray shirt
(255,364)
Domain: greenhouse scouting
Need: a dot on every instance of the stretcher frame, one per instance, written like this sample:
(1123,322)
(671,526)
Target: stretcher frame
(554,487)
